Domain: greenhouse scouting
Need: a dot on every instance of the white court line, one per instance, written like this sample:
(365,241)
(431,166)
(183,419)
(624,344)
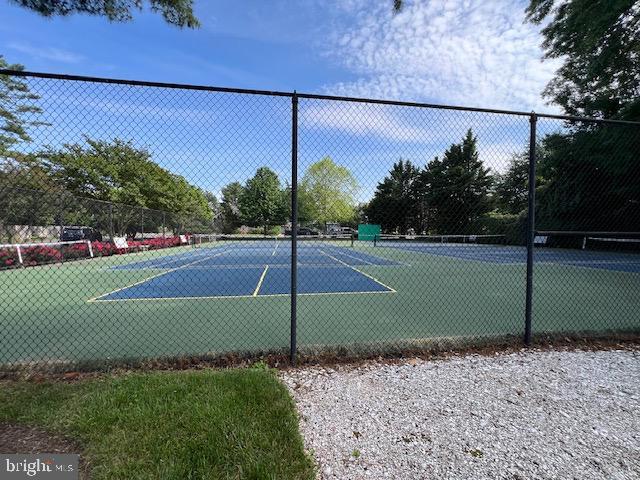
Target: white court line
(274,250)
(356,258)
(176,258)
(152,277)
(223,297)
(264,274)
(395,262)
(359,271)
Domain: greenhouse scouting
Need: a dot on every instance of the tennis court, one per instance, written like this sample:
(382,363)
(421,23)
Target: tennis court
(233,296)
(253,268)
(471,248)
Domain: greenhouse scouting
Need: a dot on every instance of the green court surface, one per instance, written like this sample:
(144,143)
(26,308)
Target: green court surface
(50,313)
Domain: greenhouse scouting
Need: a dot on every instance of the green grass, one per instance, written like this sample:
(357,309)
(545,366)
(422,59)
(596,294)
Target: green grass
(232,424)
(44,313)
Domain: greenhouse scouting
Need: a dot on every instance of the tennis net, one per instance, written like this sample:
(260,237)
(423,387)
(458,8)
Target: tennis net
(434,240)
(31,254)
(606,241)
(200,239)
(249,241)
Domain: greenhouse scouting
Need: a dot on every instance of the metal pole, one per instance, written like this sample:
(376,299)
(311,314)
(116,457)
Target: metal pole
(111,231)
(164,222)
(61,219)
(294,225)
(142,222)
(531,226)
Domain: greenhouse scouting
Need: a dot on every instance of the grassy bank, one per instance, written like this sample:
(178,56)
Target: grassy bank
(232,424)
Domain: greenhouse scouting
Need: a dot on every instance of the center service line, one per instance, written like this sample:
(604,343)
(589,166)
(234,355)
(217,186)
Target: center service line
(264,274)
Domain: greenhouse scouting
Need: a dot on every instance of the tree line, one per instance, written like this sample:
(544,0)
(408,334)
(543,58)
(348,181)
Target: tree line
(112,171)
(326,193)
(587,179)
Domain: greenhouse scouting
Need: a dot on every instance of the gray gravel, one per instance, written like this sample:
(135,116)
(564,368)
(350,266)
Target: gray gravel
(533,415)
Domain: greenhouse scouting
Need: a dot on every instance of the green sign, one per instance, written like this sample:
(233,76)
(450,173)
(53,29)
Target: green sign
(368,231)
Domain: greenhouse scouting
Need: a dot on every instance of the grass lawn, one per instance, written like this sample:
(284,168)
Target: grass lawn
(230,424)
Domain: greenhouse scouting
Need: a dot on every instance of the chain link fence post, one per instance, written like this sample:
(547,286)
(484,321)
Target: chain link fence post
(294,225)
(531,225)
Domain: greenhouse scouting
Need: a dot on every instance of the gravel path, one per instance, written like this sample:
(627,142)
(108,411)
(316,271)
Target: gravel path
(534,415)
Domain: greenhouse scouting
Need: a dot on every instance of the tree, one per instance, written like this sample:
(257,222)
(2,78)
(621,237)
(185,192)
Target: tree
(327,193)
(231,207)
(589,175)
(599,43)
(216,223)
(589,180)
(394,202)
(512,187)
(262,200)
(175,12)
(17,109)
(118,172)
(456,188)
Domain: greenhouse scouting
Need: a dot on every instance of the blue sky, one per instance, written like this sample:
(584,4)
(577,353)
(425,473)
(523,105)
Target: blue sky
(468,52)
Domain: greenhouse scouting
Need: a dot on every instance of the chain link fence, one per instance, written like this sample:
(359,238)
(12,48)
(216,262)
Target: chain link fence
(209,222)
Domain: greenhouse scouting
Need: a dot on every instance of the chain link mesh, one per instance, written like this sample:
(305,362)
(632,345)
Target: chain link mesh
(147,221)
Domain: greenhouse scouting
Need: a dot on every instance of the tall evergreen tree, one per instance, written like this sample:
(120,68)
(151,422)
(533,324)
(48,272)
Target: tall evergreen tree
(394,203)
(457,188)
(18,110)
(512,187)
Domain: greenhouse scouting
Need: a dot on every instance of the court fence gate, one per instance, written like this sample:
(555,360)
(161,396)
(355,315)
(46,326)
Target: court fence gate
(495,225)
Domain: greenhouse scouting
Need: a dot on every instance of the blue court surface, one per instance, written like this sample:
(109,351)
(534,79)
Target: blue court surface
(605,260)
(253,269)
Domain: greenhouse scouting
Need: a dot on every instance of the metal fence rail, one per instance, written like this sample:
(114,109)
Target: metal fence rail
(270,188)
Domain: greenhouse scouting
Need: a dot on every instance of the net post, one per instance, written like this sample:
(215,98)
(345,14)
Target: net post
(294,228)
(531,225)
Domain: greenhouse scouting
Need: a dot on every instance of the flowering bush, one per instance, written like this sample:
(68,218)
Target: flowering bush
(40,254)
(43,254)
(8,257)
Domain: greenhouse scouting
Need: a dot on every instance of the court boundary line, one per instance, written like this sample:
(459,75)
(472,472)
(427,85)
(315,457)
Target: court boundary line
(220,297)
(356,258)
(395,263)
(224,266)
(140,282)
(393,290)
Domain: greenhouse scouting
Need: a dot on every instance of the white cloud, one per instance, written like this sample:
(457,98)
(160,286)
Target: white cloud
(47,53)
(364,119)
(464,52)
